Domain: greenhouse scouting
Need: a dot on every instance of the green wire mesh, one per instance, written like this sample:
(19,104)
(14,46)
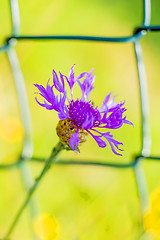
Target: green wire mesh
(27,152)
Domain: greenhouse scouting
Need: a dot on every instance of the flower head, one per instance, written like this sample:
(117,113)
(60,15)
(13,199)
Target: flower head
(78,117)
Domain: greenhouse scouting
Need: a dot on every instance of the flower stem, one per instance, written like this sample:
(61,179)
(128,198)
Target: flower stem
(49,161)
(28,181)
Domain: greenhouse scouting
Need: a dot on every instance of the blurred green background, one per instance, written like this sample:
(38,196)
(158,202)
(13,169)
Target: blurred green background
(88,202)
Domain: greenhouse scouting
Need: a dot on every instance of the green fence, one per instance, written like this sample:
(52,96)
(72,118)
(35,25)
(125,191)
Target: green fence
(27,152)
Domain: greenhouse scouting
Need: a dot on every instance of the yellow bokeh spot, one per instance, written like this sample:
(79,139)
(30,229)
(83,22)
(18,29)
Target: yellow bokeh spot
(152,217)
(11,130)
(155,200)
(46,227)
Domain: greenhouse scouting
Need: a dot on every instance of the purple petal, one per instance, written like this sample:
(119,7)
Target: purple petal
(113,143)
(62,115)
(62,108)
(43,91)
(113,149)
(52,100)
(112,102)
(62,80)
(71,75)
(115,119)
(57,84)
(117,106)
(45,104)
(88,122)
(63,76)
(71,81)
(82,75)
(47,93)
(74,141)
(98,139)
(104,106)
(87,85)
(128,122)
(40,87)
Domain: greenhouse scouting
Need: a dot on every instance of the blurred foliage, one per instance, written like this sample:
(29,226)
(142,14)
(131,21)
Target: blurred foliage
(88,202)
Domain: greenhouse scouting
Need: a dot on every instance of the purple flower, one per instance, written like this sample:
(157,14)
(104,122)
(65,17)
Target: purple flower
(79,117)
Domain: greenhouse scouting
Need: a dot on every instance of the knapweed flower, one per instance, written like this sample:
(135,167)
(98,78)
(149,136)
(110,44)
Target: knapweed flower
(46,227)
(152,217)
(78,117)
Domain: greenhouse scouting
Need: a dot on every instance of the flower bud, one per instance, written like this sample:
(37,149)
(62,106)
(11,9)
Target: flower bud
(65,129)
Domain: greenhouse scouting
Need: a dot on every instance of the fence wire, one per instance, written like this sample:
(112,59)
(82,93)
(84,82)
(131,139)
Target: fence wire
(27,152)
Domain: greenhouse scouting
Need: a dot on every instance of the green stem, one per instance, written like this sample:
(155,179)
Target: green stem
(28,181)
(47,165)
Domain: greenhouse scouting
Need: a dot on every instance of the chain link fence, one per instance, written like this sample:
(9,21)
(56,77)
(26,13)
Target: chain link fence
(27,152)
